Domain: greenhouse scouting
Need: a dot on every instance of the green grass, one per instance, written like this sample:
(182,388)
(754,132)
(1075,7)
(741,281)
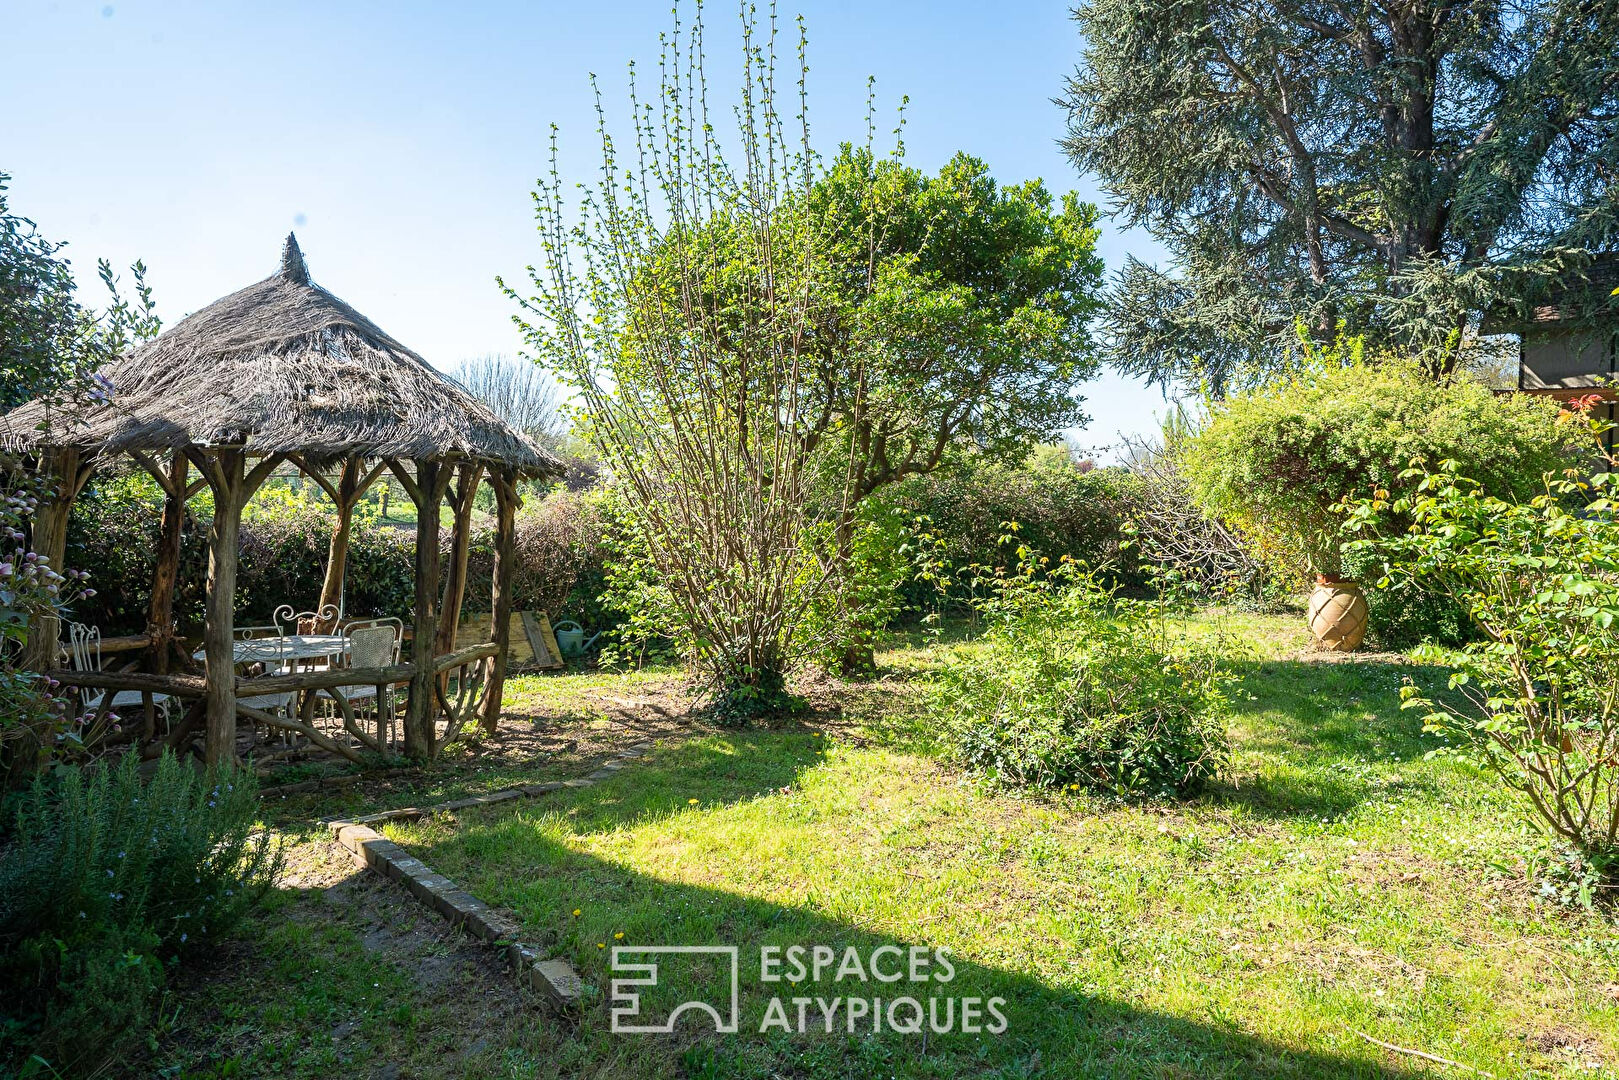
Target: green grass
(1338,881)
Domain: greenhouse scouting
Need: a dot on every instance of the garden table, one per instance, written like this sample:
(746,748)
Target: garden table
(278,650)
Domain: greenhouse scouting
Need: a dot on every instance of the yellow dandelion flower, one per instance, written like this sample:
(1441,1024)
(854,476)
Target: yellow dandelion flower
(576,913)
(693,802)
(619,936)
(601,945)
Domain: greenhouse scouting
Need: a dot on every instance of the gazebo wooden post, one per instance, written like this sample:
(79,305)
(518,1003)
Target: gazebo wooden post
(461,498)
(426,490)
(352,484)
(504,481)
(166,569)
(219,623)
(225,471)
(337,555)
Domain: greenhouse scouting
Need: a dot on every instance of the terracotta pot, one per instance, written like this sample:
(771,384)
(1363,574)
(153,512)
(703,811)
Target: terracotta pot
(1338,614)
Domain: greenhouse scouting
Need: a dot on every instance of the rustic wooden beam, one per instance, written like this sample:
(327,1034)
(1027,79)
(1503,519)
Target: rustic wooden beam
(261,472)
(230,495)
(323,680)
(174,685)
(163,476)
(207,465)
(432,477)
(125,643)
(181,733)
(62,467)
(307,731)
(346,710)
(369,479)
(413,490)
(337,552)
(507,502)
(166,569)
(465,489)
(315,475)
(460,657)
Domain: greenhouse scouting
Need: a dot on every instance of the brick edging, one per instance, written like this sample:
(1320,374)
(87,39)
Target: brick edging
(555,979)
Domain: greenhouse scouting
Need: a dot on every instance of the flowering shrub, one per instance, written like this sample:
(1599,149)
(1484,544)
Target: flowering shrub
(1540,579)
(560,551)
(105,880)
(1276,461)
(1074,685)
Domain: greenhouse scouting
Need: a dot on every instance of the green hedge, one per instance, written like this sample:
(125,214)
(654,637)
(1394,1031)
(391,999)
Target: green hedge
(1061,510)
(115,527)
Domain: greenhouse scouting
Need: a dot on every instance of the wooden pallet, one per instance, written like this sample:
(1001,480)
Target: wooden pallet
(533,644)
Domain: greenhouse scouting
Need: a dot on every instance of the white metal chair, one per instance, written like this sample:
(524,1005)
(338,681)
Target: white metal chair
(323,621)
(83,653)
(372,643)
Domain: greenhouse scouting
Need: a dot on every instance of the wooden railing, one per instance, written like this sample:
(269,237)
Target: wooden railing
(458,707)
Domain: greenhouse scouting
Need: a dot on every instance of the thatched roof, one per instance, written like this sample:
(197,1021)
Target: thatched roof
(283,366)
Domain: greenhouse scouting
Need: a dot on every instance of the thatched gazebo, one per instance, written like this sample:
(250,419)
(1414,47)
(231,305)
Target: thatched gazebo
(285,372)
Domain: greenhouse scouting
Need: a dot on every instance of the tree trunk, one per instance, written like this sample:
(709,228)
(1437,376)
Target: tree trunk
(219,625)
(419,713)
(337,554)
(504,481)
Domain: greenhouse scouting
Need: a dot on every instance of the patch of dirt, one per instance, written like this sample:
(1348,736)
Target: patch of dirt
(596,726)
(1565,1043)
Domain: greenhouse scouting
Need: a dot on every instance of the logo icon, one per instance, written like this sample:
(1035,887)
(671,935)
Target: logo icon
(626,1001)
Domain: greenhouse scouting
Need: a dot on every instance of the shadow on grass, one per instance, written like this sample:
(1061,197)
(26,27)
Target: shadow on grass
(584,905)
(1326,727)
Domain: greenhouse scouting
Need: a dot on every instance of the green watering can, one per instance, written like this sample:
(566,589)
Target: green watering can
(571,638)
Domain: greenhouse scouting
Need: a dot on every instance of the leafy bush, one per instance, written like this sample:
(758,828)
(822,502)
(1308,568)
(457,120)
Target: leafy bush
(104,880)
(1541,581)
(1061,511)
(1073,685)
(1277,460)
(842,626)
(1400,620)
(561,549)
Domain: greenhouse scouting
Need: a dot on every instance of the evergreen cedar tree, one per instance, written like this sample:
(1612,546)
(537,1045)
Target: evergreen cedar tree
(1393,167)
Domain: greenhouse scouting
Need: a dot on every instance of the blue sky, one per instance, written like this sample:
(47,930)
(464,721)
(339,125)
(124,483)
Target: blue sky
(402,140)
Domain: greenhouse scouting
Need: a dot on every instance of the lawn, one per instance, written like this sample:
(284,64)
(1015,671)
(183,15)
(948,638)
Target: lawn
(1338,882)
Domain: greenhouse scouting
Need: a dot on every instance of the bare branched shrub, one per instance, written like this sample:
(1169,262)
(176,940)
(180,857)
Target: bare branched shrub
(518,391)
(557,538)
(681,303)
(1174,532)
